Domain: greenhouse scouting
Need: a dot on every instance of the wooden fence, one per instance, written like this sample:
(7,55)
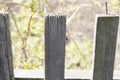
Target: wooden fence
(55,33)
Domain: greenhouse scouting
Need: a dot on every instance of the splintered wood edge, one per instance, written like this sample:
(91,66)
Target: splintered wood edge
(69,74)
(55,15)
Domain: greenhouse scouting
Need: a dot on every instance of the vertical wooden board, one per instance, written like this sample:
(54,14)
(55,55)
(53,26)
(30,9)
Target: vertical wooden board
(55,30)
(105,46)
(6,65)
(8,49)
(3,65)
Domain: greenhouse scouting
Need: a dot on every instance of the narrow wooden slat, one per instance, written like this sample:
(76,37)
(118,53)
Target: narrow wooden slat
(55,30)
(3,66)
(8,49)
(105,46)
(6,66)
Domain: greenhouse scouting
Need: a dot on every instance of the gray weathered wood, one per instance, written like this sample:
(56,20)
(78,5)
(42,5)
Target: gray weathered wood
(55,30)
(105,46)
(3,73)
(8,48)
(6,67)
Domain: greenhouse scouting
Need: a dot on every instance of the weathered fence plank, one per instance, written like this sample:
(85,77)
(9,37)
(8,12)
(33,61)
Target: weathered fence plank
(8,48)
(55,30)
(6,65)
(105,46)
(3,72)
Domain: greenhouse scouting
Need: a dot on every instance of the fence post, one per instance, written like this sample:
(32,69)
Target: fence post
(105,46)
(6,64)
(55,30)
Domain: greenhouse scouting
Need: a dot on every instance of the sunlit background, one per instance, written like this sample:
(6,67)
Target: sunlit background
(27,30)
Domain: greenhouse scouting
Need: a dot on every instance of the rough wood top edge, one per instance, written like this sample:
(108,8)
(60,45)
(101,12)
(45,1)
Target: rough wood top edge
(55,15)
(107,15)
(69,74)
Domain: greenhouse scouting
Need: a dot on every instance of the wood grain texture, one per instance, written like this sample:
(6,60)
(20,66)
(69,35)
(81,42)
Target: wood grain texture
(55,30)
(8,49)
(6,67)
(105,46)
(3,72)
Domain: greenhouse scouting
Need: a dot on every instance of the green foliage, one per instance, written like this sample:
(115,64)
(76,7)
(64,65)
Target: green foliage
(35,41)
(79,58)
(114,4)
(77,55)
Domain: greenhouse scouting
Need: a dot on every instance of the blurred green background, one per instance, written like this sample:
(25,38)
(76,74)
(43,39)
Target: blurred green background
(27,30)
